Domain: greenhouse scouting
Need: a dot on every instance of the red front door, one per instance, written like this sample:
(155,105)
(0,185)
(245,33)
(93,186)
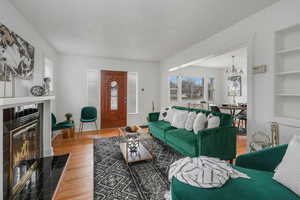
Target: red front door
(113,99)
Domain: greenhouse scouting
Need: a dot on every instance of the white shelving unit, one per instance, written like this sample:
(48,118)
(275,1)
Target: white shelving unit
(291,50)
(287,95)
(287,76)
(288,73)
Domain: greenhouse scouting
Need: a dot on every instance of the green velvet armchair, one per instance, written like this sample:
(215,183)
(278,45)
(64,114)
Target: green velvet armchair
(88,115)
(61,125)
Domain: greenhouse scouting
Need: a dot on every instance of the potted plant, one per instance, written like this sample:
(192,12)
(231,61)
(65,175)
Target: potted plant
(68,116)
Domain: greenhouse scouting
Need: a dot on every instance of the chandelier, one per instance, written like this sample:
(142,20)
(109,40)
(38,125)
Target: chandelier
(234,71)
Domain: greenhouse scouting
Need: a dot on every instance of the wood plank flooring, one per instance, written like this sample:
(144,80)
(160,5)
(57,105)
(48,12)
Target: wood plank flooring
(77,183)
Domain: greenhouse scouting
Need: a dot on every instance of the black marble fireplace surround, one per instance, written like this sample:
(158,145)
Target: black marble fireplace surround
(25,174)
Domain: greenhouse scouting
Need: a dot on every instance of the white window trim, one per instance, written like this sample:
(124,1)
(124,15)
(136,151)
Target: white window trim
(137,94)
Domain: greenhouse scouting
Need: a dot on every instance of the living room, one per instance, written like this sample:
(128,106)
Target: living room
(116,99)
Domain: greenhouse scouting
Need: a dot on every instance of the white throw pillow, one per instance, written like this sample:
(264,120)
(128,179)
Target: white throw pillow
(179,119)
(163,113)
(213,121)
(170,115)
(288,171)
(199,122)
(190,121)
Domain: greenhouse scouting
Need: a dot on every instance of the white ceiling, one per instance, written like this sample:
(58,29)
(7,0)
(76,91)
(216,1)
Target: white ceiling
(148,30)
(222,61)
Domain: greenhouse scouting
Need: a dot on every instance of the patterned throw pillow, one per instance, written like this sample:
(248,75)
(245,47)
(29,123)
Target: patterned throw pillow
(163,113)
(170,115)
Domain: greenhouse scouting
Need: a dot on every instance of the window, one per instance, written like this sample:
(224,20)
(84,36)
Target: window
(114,95)
(211,89)
(173,81)
(93,89)
(192,88)
(132,92)
(48,72)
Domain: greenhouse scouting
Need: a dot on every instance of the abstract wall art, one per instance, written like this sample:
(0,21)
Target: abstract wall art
(16,56)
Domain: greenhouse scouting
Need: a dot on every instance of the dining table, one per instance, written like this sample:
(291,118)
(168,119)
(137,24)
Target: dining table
(233,108)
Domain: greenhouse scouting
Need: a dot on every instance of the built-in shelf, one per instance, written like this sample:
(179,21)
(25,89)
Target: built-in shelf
(286,76)
(288,94)
(288,73)
(288,121)
(283,51)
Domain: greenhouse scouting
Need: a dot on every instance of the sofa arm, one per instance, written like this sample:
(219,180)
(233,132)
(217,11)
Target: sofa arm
(266,159)
(218,142)
(154,116)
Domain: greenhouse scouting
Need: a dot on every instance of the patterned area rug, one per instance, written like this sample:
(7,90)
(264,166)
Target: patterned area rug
(146,180)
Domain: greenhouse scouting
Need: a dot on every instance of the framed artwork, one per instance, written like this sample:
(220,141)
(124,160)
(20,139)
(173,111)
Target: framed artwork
(16,54)
(234,86)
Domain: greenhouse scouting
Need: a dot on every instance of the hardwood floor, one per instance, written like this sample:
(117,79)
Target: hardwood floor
(77,182)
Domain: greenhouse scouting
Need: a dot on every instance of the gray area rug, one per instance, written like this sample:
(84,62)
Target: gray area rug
(146,180)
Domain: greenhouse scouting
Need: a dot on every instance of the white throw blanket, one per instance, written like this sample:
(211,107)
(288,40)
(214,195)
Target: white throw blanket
(203,172)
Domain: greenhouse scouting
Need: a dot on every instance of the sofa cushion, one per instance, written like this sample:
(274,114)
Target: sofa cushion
(261,186)
(182,140)
(164,125)
(158,129)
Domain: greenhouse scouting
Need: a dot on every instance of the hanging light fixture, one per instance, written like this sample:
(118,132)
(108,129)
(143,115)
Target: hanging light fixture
(233,70)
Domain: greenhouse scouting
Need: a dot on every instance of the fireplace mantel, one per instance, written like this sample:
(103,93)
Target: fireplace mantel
(46,124)
(6,102)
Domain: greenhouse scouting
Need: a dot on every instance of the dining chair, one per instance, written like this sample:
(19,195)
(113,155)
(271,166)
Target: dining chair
(215,109)
(242,117)
(88,115)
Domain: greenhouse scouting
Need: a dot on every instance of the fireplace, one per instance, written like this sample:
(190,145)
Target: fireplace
(22,146)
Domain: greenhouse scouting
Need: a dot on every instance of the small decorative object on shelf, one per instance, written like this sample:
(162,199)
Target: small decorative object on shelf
(260,140)
(69,116)
(46,85)
(37,91)
(133,145)
(275,133)
(7,80)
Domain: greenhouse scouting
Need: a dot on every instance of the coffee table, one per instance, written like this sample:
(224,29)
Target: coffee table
(141,153)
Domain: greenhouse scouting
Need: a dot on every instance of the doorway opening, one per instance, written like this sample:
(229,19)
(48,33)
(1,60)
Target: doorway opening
(218,83)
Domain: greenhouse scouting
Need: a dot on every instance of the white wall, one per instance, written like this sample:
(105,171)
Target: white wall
(14,20)
(11,18)
(258,28)
(71,79)
(206,73)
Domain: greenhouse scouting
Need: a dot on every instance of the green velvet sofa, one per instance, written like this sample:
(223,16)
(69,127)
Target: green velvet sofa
(259,166)
(216,142)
